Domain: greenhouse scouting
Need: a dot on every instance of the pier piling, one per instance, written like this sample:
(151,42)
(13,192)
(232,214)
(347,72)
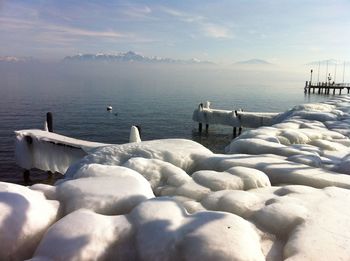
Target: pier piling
(200,127)
(49,121)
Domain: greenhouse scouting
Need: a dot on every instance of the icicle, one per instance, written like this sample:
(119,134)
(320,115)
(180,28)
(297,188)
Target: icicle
(134,134)
(46,128)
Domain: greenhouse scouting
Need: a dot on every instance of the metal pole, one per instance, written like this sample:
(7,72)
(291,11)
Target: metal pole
(318,72)
(327,71)
(311,77)
(335,72)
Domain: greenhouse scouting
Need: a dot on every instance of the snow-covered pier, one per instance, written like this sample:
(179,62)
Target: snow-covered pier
(280,192)
(49,151)
(235,118)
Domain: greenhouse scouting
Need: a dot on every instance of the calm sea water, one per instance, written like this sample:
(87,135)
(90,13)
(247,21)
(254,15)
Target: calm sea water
(159,100)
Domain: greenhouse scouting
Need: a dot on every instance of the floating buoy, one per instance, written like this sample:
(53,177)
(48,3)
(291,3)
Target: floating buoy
(109,108)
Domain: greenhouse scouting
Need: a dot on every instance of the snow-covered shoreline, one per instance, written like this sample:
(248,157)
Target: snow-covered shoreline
(280,192)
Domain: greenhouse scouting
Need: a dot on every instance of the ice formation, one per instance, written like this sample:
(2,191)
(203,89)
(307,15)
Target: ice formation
(206,115)
(280,193)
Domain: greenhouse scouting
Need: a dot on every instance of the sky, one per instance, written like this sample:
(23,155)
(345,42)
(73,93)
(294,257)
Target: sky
(224,32)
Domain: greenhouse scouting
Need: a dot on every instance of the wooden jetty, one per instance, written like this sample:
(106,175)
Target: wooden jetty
(326,87)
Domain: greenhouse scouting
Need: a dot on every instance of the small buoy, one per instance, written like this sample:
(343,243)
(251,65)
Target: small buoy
(109,108)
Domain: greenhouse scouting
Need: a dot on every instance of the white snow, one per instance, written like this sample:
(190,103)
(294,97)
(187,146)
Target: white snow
(109,190)
(134,134)
(280,195)
(25,215)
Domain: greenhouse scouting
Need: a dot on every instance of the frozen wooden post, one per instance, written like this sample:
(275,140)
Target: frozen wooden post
(240,126)
(26,173)
(26,177)
(49,121)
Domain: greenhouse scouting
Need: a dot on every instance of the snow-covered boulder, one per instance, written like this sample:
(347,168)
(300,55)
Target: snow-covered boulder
(25,215)
(109,190)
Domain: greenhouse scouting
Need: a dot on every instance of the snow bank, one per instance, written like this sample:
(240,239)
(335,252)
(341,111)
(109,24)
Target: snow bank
(281,195)
(313,134)
(86,235)
(179,152)
(25,215)
(109,190)
(150,233)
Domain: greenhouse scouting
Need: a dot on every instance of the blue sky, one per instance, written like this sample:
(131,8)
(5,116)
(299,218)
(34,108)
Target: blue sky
(280,31)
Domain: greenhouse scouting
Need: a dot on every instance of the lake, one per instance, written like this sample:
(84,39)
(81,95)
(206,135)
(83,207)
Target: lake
(159,98)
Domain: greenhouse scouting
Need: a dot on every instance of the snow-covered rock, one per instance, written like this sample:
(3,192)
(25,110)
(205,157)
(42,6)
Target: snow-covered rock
(25,215)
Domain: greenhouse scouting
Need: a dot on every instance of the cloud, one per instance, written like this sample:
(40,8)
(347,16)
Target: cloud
(183,16)
(210,29)
(83,32)
(43,28)
(136,12)
(217,31)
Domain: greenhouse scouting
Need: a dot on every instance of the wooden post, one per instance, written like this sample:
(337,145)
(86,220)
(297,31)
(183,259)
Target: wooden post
(339,91)
(49,121)
(26,173)
(333,91)
(234,134)
(26,176)
(206,127)
(200,127)
(240,130)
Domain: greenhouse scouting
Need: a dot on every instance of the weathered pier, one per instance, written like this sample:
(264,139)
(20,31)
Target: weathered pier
(326,87)
(235,118)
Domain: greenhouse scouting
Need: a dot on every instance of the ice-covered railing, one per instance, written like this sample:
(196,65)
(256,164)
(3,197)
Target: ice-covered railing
(49,151)
(53,152)
(235,118)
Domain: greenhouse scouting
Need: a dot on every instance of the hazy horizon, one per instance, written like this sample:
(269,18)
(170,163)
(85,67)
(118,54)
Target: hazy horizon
(288,33)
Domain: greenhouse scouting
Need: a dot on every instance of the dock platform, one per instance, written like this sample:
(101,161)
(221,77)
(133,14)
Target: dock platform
(326,87)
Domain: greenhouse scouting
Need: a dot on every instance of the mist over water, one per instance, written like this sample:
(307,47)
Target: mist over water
(158,97)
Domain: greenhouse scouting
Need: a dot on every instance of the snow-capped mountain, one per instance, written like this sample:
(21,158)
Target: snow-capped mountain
(15,59)
(254,62)
(129,57)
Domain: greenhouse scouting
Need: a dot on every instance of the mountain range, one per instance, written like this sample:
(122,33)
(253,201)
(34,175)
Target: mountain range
(129,57)
(254,62)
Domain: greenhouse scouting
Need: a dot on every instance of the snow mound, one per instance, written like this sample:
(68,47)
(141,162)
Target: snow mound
(25,215)
(239,178)
(108,190)
(86,235)
(179,152)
